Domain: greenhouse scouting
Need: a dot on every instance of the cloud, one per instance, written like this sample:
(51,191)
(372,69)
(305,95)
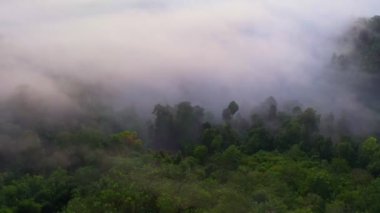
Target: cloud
(153,51)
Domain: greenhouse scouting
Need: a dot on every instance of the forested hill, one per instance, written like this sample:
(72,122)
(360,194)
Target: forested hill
(279,158)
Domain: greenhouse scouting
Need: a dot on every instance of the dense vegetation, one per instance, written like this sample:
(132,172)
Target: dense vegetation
(274,160)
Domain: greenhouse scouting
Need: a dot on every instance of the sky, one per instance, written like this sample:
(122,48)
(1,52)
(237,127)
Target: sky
(165,51)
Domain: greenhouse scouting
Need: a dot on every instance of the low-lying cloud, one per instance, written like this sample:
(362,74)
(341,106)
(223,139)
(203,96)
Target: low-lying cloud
(155,51)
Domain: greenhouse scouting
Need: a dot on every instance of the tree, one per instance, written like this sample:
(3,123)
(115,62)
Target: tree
(309,121)
(368,150)
(271,108)
(127,139)
(346,149)
(232,108)
(319,183)
(163,134)
(258,139)
(188,122)
(200,152)
(288,135)
(231,157)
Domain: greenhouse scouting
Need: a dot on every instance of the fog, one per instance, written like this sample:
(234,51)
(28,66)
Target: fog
(143,52)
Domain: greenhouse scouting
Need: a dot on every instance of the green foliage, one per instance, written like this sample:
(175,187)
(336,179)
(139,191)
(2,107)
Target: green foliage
(288,135)
(319,183)
(258,139)
(340,165)
(368,151)
(84,136)
(200,152)
(128,139)
(230,158)
(174,127)
(28,206)
(346,150)
(309,121)
(280,163)
(36,193)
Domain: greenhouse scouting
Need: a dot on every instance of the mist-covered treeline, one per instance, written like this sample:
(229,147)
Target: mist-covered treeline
(359,60)
(77,134)
(277,159)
